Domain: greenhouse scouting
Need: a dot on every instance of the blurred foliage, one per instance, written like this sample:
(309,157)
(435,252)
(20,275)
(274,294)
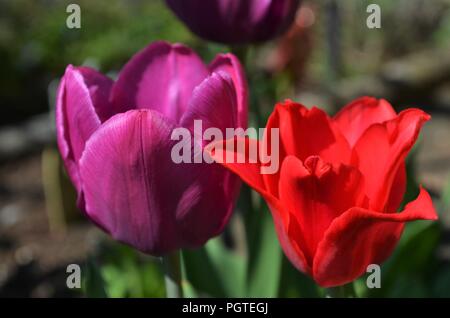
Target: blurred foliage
(36,45)
(117,270)
(407,26)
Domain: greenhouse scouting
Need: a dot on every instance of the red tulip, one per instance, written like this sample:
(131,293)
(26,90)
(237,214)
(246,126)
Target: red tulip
(342,179)
(115,139)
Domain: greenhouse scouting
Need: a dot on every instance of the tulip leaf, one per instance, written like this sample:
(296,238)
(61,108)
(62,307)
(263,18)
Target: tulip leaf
(93,283)
(294,284)
(188,290)
(264,254)
(441,284)
(408,287)
(117,271)
(413,258)
(215,271)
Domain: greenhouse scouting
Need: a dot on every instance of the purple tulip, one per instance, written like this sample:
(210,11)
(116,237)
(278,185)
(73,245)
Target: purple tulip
(115,139)
(236,21)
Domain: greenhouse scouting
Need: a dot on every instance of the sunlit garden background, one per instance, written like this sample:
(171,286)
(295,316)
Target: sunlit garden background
(327,58)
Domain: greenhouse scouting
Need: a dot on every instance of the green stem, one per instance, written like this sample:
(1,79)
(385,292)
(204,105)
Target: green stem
(344,291)
(246,199)
(172,274)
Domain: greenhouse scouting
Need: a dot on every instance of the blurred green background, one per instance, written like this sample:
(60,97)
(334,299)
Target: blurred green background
(328,58)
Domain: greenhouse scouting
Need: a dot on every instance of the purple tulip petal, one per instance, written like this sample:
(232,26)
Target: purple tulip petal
(76,118)
(275,20)
(99,87)
(236,21)
(229,64)
(213,102)
(137,193)
(160,77)
(124,171)
(207,204)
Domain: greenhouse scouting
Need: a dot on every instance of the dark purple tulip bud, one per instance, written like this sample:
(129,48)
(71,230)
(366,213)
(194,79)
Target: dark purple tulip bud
(236,21)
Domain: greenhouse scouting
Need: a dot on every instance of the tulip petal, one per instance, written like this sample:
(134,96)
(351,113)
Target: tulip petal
(99,87)
(284,225)
(230,64)
(383,148)
(305,133)
(214,103)
(247,166)
(230,21)
(76,117)
(118,170)
(398,189)
(360,237)
(160,77)
(135,191)
(356,117)
(239,160)
(274,19)
(308,191)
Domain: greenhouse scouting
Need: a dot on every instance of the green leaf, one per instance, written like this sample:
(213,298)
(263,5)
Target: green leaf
(264,254)
(215,271)
(123,272)
(93,283)
(412,260)
(294,284)
(441,284)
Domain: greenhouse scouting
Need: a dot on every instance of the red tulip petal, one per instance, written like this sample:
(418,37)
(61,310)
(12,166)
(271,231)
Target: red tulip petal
(381,151)
(239,160)
(76,117)
(230,64)
(160,77)
(305,133)
(288,117)
(398,189)
(308,191)
(250,172)
(360,114)
(360,237)
(283,227)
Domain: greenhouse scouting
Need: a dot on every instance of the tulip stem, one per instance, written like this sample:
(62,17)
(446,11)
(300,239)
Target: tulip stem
(344,291)
(172,274)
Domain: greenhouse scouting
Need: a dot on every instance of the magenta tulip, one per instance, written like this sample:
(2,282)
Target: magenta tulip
(236,21)
(115,139)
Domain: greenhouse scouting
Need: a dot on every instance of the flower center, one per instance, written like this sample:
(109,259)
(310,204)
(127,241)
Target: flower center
(316,166)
